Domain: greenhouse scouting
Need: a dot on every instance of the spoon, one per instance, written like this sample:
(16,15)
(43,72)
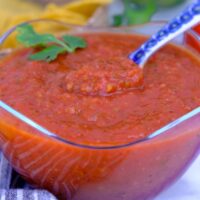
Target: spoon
(186,20)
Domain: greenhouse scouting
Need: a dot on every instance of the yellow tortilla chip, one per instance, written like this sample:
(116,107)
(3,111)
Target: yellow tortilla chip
(17,11)
(86,7)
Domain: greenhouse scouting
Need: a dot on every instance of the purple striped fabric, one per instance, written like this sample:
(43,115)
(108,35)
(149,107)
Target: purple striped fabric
(13,187)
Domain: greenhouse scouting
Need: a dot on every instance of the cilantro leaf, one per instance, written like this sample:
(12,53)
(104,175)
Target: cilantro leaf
(74,42)
(52,46)
(28,37)
(48,54)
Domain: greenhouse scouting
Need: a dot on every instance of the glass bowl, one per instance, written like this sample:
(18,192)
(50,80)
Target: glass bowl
(135,171)
(192,38)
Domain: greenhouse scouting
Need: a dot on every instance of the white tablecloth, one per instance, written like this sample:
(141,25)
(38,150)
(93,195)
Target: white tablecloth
(187,188)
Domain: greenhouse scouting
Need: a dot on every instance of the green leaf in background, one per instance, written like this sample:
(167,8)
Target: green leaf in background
(140,11)
(117,20)
(159,3)
(169,3)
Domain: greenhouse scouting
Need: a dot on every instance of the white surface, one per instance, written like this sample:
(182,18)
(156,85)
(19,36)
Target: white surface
(187,188)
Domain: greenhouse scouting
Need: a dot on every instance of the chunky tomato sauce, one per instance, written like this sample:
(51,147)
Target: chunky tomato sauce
(97,96)
(90,97)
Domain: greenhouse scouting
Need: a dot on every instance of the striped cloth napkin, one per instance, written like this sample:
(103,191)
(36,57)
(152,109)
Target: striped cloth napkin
(12,187)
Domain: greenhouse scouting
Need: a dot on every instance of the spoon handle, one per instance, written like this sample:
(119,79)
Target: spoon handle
(187,19)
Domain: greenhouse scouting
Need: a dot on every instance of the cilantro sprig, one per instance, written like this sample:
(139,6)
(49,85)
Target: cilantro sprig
(51,46)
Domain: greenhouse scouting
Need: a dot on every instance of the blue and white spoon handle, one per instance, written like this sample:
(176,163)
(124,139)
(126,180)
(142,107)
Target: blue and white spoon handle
(187,19)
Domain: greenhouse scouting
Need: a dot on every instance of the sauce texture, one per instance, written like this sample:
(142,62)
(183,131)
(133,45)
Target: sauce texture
(89,96)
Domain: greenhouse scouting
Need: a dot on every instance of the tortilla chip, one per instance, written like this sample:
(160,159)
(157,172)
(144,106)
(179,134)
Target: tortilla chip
(17,11)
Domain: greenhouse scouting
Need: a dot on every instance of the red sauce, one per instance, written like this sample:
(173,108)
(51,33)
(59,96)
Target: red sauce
(68,97)
(91,97)
(192,38)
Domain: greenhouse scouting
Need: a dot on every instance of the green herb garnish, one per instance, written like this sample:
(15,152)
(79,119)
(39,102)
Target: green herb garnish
(51,46)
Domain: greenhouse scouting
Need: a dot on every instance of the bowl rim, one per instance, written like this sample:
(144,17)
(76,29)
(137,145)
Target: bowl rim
(56,137)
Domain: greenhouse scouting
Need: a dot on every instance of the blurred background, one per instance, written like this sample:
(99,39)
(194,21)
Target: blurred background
(87,12)
(119,12)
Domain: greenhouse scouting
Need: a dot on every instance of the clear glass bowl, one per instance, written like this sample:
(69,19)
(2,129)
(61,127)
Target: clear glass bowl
(134,171)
